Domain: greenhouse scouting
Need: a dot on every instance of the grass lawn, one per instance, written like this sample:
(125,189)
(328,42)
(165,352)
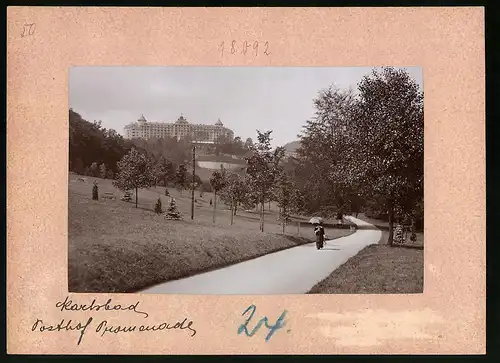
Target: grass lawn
(116,247)
(378,269)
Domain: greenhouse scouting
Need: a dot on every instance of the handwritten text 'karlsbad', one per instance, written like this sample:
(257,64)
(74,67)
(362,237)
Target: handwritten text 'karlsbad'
(104,326)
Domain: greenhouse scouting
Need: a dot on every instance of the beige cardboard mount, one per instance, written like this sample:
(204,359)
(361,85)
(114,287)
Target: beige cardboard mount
(447,42)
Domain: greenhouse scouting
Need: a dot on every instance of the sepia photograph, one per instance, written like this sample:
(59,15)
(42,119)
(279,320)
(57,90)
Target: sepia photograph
(246,180)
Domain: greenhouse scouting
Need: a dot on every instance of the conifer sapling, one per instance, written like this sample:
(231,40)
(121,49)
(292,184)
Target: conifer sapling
(158,209)
(95,192)
(172,211)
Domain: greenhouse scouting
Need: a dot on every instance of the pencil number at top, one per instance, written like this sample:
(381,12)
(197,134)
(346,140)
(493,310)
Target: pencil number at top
(251,48)
(28,29)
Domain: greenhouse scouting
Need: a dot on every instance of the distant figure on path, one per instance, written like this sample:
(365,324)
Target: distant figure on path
(319,231)
(339,217)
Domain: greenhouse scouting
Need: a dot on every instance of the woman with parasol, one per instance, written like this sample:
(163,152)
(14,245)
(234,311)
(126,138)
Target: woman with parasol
(319,231)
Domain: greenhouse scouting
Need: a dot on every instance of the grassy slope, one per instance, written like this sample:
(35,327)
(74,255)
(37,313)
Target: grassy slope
(115,247)
(378,269)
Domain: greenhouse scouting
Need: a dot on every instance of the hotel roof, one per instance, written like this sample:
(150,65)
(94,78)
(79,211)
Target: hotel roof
(181,120)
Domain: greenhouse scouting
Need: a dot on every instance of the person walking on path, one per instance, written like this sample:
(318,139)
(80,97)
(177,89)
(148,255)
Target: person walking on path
(319,232)
(340,218)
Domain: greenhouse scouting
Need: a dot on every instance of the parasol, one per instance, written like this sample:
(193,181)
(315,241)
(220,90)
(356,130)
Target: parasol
(316,220)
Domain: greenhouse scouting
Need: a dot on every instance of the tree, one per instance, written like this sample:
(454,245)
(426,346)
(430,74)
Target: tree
(217,183)
(134,172)
(248,144)
(197,181)
(389,130)
(365,149)
(171,172)
(206,186)
(324,148)
(164,170)
(172,211)
(172,149)
(264,166)
(285,195)
(78,167)
(238,142)
(89,142)
(110,174)
(95,191)
(250,198)
(238,147)
(94,169)
(103,171)
(233,192)
(299,200)
(223,144)
(181,178)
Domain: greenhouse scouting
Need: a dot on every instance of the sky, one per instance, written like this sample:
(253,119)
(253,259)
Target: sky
(245,99)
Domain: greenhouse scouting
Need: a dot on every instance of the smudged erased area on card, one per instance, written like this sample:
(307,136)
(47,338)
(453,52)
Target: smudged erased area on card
(377,327)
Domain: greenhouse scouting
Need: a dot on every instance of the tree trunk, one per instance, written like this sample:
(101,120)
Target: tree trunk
(235,208)
(232,215)
(262,216)
(193,184)
(391,223)
(136,197)
(282,216)
(269,206)
(283,223)
(215,203)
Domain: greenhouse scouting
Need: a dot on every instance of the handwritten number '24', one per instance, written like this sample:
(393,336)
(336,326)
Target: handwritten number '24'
(272,328)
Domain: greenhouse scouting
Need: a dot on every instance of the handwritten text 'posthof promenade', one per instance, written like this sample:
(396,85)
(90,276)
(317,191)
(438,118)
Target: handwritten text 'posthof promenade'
(103,327)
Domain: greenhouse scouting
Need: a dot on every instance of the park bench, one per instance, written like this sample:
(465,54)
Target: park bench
(82,179)
(109,195)
(127,197)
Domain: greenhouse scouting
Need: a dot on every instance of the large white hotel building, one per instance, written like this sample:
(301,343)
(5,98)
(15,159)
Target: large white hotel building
(206,134)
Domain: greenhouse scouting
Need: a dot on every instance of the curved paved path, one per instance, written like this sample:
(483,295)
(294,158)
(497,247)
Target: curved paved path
(292,271)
